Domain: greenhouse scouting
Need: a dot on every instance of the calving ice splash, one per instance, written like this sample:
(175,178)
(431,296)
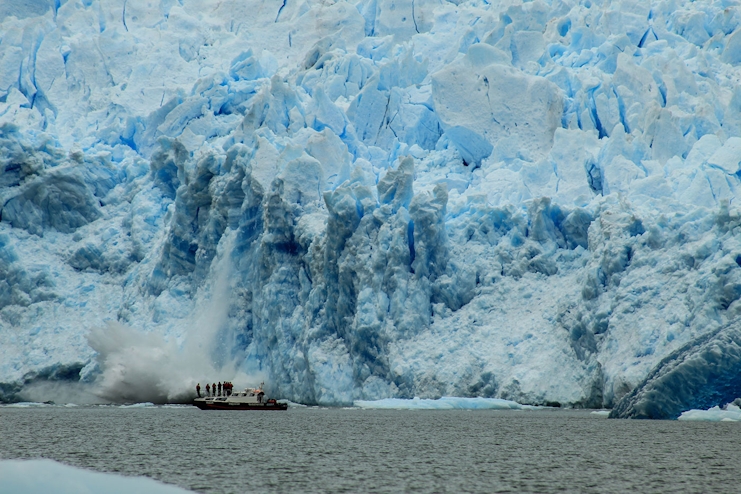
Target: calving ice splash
(370,200)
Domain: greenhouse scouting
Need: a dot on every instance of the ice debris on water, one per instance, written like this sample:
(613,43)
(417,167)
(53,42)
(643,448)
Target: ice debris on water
(444,403)
(365,200)
(147,404)
(731,413)
(42,476)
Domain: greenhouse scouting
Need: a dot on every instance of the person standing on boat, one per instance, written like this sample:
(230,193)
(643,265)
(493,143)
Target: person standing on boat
(213,389)
(219,388)
(208,390)
(198,389)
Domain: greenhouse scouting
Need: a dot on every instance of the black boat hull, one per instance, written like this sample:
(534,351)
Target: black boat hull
(239,406)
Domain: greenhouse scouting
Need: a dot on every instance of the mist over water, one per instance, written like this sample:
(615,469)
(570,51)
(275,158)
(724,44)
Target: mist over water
(78,393)
(153,367)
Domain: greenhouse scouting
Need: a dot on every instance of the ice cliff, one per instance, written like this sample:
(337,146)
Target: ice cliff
(360,200)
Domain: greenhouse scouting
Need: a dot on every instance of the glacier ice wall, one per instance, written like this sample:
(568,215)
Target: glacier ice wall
(704,372)
(359,200)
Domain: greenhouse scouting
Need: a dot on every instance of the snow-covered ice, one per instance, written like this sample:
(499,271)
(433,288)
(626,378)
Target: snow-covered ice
(444,403)
(43,476)
(370,199)
(731,413)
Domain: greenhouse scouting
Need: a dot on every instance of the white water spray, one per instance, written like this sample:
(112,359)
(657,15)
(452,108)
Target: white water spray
(141,367)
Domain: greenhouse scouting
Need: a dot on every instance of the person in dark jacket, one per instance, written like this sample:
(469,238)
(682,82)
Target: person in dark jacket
(219,388)
(198,389)
(208,390)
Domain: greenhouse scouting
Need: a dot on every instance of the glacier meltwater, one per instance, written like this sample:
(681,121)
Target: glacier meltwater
(362,200)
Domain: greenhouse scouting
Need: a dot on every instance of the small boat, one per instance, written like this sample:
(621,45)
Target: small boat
(249,399)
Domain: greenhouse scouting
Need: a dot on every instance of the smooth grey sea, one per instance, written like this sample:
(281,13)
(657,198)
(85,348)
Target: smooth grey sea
(355,450)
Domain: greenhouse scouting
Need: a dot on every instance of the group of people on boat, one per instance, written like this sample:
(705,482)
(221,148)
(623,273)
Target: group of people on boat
(216,389)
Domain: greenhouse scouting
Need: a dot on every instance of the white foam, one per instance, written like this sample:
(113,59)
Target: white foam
(28,404)
(147,404)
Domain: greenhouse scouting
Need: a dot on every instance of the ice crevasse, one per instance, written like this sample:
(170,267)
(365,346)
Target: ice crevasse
(364,200)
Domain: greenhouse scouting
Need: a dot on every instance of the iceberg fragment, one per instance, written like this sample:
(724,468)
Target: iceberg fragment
(444,403)
(731,413)
(38,476)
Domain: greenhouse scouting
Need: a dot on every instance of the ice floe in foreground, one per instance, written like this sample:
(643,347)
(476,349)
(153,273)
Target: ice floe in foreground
(47,476)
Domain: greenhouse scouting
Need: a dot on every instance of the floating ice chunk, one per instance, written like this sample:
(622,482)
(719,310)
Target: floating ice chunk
(444,403)
(43,476)
(601,413)
(732,413)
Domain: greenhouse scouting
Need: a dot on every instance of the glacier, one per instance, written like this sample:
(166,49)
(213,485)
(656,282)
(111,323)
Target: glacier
(703,372)
(364,200)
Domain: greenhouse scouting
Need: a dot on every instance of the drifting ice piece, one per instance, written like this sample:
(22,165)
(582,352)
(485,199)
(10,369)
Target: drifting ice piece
(444,403)
(32,476)
(732,413)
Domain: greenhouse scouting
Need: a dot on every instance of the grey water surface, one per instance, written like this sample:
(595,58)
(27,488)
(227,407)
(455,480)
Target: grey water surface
(355,450)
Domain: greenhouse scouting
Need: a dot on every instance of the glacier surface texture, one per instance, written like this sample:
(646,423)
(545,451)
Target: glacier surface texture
(372,200)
